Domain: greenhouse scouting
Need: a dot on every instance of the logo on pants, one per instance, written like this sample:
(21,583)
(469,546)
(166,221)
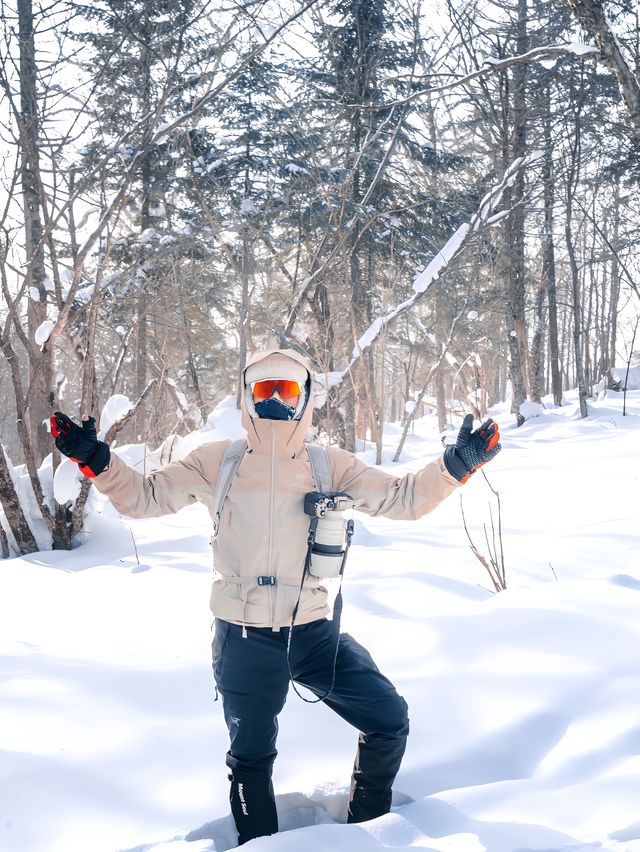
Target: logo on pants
(243,803)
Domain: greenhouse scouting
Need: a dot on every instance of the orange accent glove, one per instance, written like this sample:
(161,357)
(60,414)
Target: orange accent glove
(472,448)
(80,443)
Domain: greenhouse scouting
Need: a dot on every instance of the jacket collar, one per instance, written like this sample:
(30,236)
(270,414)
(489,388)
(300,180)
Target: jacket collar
(282,437)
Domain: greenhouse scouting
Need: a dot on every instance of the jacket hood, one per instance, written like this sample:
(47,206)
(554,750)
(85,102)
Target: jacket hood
(287,434)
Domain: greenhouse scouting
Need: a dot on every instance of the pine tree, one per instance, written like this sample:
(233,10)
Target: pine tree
(374,219)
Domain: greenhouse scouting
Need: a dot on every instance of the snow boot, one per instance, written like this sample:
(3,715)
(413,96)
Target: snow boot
(253,805)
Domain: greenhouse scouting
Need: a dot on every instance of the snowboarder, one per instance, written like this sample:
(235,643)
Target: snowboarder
(261,558)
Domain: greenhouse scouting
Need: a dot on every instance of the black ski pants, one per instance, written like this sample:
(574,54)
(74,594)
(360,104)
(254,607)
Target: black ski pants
(252,677)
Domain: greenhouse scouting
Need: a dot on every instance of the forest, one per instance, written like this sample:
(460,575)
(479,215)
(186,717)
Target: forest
(436,202)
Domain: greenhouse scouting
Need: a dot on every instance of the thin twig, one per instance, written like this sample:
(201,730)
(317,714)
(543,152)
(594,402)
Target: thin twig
(477,553)
(495,565)
(135,547)
(496,494)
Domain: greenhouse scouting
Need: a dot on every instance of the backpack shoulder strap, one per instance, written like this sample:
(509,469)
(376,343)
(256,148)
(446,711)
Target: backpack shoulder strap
(230,463)
(320,467)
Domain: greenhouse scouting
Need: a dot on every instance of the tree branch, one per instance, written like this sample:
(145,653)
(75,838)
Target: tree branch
(484,216)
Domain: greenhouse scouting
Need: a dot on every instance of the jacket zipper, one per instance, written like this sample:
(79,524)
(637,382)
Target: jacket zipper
(271,518)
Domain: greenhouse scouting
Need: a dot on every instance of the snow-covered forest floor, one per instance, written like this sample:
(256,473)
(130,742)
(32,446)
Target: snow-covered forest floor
(525,706)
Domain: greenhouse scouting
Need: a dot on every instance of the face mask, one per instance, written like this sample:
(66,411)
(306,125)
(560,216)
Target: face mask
(274,409)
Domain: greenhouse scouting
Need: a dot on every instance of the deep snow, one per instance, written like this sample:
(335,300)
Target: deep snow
(524,705)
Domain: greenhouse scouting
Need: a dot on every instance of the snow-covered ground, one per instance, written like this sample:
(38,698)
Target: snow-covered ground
(525,706)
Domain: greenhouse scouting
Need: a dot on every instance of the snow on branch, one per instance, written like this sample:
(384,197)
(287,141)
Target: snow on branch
(485,215)
(549,53)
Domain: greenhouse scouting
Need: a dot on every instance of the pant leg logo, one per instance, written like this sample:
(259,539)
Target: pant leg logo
(235,720)
(243,803)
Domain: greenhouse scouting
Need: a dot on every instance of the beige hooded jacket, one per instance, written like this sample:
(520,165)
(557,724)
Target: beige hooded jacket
(263,528)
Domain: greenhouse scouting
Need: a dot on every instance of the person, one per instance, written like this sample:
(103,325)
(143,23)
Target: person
(261,577)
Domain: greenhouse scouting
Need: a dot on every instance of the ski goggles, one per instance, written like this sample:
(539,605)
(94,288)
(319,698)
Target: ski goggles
(266,388)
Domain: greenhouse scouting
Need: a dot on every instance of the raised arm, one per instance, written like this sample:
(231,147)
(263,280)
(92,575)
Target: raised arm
(160,493)
(164,491)
(415,494)
(400,497)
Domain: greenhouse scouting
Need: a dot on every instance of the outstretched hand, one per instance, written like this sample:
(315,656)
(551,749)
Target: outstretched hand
(80,443)
(473,448)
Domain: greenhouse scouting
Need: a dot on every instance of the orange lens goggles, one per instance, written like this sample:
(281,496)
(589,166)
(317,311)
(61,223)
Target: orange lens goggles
(265,389)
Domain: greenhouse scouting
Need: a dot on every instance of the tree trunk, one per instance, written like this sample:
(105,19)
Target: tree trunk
(381,396)
(246,273)
(441,400)
(141,358)
(89,400)
(577,321)
(349,405)
(592,17)
(615,279)
(56,522)
(537,344)
(514,230)
(40,397)
(360,319)
(244,315)
(519,150)
(323,352)
(548,258)
(4,543)
(142,299)
(13,511)
(440,335)
(572,182)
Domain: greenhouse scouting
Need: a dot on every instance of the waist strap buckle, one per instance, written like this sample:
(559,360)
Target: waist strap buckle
(266,581)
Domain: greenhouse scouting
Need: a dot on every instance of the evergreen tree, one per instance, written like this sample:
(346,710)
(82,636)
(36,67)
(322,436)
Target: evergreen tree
(375,219)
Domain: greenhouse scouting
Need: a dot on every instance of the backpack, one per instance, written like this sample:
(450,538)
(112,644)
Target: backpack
(232,457)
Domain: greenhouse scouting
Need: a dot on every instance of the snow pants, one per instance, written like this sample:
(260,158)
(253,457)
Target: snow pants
(252,677)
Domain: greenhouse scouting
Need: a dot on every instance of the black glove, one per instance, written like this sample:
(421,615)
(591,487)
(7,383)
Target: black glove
(80,443)
(472,449)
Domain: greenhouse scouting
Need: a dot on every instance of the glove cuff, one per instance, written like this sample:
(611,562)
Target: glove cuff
(454,464)
(98,461)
